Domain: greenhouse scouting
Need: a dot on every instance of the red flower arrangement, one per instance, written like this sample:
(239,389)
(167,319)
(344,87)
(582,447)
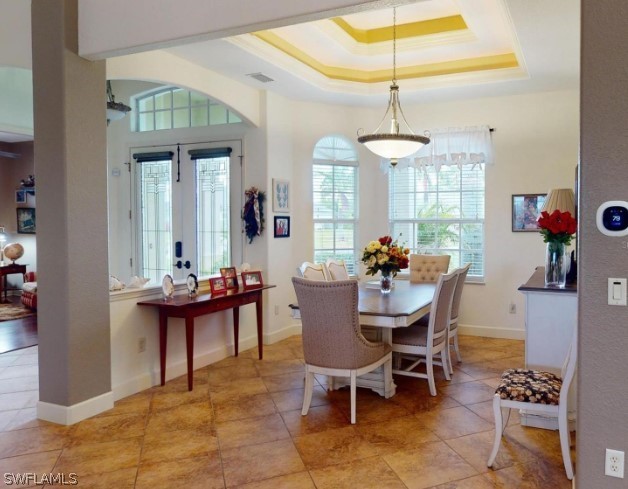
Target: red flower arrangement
(385,255)
(557,227)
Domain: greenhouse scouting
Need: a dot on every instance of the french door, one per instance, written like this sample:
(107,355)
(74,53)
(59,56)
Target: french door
(187,204)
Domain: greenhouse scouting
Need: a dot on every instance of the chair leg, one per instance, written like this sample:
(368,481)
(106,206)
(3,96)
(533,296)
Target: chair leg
(497,412)
(430,374)
(388,382)
(397,360)
(563,429)
(354,381)
(307,391)
(451,365)
(457,348)
(444,355)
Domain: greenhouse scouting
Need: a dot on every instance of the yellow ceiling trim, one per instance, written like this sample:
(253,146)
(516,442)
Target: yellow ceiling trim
(481,63)
(412,29)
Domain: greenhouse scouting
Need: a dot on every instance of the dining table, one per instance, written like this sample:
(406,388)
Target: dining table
(380,314)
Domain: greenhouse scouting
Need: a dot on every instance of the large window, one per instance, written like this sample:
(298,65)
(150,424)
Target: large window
(437,197)
(335,189)
(441,212)
(173,108)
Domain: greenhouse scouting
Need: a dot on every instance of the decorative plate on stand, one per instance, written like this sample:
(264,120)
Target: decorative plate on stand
(192,283)
(167,286)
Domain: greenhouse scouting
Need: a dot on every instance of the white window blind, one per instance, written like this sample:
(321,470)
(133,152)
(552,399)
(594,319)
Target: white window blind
(441,212)
(335,201)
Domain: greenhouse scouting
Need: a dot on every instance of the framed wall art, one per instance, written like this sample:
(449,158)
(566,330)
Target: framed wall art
(26,222)
(282,226)
(526,209)
(281,195)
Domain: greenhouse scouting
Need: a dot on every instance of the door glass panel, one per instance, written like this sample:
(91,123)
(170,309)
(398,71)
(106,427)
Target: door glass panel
(156,213)
(212,190)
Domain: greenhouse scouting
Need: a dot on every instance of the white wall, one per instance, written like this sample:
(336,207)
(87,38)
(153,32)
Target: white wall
(536,148)
(16,101)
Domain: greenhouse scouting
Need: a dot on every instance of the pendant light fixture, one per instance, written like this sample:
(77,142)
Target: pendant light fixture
(115,110)
(393,144)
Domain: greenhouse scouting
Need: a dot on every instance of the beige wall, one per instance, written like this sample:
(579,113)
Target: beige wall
(603,362)
(70,163)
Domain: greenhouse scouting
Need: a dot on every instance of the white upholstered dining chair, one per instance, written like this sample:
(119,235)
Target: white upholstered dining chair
(421,345)
(332,342)
(540,392)
(455,311)
(427,268)
(312,271)
(337,270)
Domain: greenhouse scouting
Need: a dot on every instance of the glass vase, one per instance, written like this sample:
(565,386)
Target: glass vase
(386,282)
(555,264)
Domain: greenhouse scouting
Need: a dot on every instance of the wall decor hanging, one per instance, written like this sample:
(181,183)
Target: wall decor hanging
(526,209)
(281,195)
(253,212)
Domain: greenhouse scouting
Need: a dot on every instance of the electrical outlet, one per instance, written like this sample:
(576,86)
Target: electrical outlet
(512,309)
(276,310)
(614,465)
(141,345)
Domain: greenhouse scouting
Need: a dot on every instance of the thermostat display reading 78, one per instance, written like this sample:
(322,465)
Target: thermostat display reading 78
(612,218)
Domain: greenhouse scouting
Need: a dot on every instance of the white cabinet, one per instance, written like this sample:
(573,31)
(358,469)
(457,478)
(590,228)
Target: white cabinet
(551,316)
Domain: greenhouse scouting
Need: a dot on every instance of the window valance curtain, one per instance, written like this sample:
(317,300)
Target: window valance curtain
(453,146)
(201,154)
(155,156)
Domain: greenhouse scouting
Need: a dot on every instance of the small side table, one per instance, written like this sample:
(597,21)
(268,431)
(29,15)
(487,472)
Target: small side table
(8,270)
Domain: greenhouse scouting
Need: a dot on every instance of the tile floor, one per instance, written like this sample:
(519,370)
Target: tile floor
(241,426)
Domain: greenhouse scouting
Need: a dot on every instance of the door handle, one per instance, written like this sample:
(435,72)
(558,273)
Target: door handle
(181,264)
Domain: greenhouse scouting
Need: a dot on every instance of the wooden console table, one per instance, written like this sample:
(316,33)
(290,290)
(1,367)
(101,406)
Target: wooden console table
(8,270)
(188,308)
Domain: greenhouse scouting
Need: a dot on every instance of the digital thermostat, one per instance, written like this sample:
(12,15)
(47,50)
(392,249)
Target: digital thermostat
(612,218)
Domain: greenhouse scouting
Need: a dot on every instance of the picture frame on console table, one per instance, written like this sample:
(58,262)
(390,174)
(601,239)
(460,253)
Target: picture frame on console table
(526,209)
(217,285)
(231,277)
(252,280)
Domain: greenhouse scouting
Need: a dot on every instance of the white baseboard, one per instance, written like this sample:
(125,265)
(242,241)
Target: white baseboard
(68,415)
(282,334)
(139,383)
(492,332)
(142,382)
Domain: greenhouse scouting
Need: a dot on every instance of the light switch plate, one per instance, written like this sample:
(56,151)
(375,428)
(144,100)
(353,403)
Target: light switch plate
(617,291)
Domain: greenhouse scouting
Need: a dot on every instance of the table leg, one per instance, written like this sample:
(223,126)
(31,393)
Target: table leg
(260,325)
(3,288)
(163,340)
(236,329)
(189,342)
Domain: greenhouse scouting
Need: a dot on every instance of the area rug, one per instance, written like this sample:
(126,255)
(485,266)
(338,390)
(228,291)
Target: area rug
(9,312)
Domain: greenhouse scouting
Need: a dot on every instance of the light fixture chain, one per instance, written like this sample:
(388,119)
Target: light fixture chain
(394,45)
